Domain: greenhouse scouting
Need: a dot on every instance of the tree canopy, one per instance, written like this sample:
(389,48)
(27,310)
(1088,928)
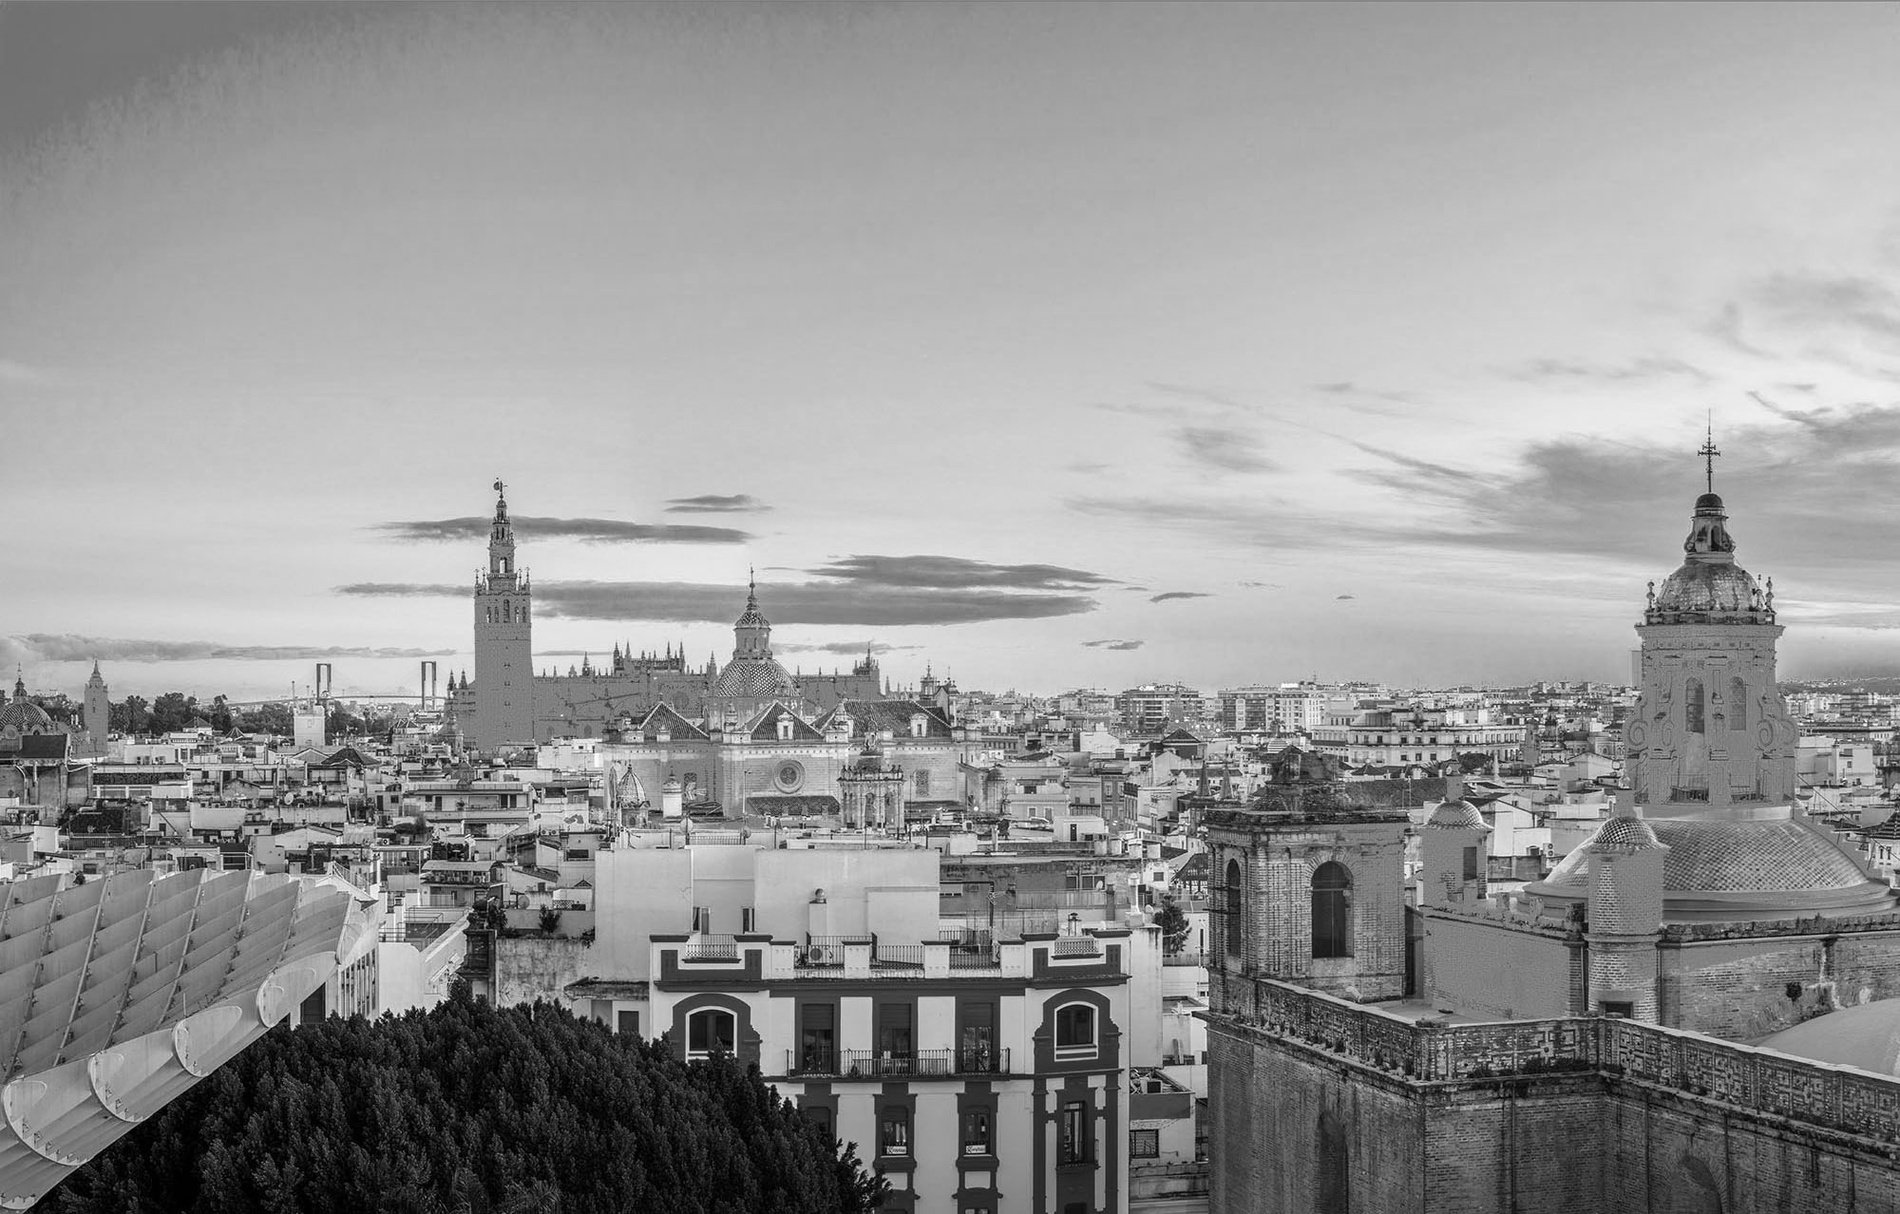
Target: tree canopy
(469,1108)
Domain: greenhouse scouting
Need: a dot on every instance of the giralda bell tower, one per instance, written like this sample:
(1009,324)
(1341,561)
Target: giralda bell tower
(504,650)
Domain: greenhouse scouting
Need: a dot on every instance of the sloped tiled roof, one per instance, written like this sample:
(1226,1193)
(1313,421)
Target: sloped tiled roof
(38,747)
(764,727)
(879,716)
(665,716)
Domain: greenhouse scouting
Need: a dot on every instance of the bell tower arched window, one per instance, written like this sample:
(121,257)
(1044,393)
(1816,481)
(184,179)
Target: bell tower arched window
(1332,910)
(1235,931)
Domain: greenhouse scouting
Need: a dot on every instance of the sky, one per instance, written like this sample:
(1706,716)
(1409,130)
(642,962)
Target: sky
(1077,345)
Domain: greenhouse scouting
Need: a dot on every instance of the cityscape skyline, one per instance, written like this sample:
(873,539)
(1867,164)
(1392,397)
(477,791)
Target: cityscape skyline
(1050,348)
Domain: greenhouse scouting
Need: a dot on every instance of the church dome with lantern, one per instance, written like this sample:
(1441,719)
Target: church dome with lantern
(21,715)
(1710,587)
(753,675)
(1710,756)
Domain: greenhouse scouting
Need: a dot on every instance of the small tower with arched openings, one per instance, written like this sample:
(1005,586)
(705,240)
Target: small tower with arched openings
(1309,884)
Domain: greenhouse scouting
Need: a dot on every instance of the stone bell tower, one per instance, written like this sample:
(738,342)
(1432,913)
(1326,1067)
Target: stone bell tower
(98,713)
(504,651)
(1710,729)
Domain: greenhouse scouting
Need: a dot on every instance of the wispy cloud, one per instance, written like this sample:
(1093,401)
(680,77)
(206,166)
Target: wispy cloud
(1647,369)
(70,647)
(716,503)
(1112,644)
(1562,500)
(404,590)
(1344,597)
(1374,402)
(588,530)
(1170,596)
(846,648)
(1809,301)
(1224,447)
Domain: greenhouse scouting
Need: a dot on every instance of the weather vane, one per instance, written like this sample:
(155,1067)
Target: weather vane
(1709,452)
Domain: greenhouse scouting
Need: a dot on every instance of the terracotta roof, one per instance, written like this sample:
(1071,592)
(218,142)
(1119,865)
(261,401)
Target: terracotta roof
(665,716)
(765,726)
(894,716)
(41,747)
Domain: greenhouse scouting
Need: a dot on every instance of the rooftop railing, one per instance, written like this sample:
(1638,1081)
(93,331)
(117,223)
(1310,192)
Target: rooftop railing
(891,1064)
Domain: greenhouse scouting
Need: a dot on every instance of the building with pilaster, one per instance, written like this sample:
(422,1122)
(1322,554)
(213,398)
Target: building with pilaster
(1631,1032)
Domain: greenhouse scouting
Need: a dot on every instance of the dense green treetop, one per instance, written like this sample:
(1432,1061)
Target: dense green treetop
(469,1108)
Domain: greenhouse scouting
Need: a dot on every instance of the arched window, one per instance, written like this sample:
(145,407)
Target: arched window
(1332,910)
(1737,704)
(709,1031)
(1235,929)
(1692,705)
(1075,1030)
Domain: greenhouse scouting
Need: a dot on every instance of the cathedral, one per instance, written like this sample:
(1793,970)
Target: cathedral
(510,705)
(1636,1031)
(37,753)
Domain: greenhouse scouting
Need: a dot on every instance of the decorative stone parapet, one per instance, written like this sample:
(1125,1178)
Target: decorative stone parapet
(1431,1051)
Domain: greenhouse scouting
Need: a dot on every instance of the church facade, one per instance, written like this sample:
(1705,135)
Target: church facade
(1611,1039)
(39,757)
(509,705)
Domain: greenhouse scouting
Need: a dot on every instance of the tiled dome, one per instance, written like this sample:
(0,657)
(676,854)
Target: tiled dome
(1708,588)
(1624,832)
(24,716)
(1721,869)
(1456,815)
(753,678)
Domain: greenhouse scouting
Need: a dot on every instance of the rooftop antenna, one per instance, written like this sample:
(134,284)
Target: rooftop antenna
(1709,451)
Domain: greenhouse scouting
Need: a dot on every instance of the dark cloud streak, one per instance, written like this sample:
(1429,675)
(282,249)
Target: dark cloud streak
(716,503)
(955,573)
(792,603)
(68,647)
(587,530)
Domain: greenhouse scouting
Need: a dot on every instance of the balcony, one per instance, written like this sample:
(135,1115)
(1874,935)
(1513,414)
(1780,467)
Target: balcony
(917,1064)
(707,947)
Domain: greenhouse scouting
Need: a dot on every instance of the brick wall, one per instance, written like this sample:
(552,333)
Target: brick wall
(1739,987)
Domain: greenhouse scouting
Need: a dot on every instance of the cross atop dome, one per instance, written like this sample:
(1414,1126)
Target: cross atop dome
(1708,453)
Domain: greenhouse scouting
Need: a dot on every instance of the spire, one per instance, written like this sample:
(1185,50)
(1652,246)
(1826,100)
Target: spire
(1709,451)
(502,574)
(19,683)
